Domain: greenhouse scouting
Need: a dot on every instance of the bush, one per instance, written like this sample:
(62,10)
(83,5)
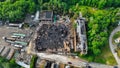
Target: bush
(33,62)
(117,35)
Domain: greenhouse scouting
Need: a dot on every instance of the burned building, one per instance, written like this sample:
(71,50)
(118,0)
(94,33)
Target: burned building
(51,36)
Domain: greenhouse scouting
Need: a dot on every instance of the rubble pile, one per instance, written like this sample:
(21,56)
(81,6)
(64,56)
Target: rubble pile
(51,36)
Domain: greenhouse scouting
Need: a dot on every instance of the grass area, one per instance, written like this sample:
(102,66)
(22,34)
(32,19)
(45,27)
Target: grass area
(106,57)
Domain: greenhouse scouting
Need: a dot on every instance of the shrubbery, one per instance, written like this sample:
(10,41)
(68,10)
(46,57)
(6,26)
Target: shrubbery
(4,63)
(33,62)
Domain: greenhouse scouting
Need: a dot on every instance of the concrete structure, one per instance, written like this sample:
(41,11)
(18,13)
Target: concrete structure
(1,23)
(6,52)
(37,16)
(117,40)
(15,25)
(11,53)
(81,32)
(46,16)
(23,64)
(2,48)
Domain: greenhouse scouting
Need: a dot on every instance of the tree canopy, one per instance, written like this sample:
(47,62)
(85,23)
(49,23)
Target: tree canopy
(15,11)
(8,64)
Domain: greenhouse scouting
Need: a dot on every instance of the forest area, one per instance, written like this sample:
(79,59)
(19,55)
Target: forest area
(15,10)
(101,15)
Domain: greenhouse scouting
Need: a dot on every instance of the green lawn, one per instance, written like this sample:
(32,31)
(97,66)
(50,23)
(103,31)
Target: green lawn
(106,57)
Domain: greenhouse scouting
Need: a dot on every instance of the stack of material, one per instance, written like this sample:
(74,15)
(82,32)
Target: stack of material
(51,36)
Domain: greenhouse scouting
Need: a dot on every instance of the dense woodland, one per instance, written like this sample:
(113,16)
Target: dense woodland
(15,10)
(101,15)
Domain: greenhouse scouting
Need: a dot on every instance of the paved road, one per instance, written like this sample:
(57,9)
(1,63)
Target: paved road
(62,59)
(75,62)
(112,46)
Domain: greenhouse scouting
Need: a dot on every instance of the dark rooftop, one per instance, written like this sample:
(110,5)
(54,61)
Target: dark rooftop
(46,15)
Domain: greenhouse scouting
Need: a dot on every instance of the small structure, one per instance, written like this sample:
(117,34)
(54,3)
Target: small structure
(1,23)
(5,52)
(23,64)
(10,55)
(15,25)
(21,43)
(118,23)
(2,48)
(18,35)
(46,16)
(37,16)
(117,40)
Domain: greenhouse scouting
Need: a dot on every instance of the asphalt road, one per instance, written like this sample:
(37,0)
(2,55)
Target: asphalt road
(112,46)
(75,62)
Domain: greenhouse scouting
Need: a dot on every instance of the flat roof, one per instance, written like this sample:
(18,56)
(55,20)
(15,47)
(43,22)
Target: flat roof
(46,15)
(20,42)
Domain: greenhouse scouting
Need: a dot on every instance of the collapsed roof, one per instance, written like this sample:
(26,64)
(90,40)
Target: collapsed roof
(51,36)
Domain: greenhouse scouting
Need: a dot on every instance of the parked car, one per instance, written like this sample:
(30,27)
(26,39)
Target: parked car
(19,46)
(1,23)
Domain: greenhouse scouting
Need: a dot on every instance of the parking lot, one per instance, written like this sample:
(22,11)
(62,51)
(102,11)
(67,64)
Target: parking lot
(7,32)
(10,50)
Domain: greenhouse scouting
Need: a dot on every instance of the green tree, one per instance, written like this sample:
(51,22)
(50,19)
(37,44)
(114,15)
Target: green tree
(102,3)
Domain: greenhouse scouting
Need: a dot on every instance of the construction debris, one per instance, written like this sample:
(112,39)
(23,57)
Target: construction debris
(51,36)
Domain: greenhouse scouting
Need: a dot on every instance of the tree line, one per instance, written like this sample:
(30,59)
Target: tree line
(15,10)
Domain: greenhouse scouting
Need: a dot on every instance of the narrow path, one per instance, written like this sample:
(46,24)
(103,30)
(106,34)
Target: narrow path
(112,46)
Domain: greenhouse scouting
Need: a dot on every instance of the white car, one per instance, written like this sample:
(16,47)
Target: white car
(19,46)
